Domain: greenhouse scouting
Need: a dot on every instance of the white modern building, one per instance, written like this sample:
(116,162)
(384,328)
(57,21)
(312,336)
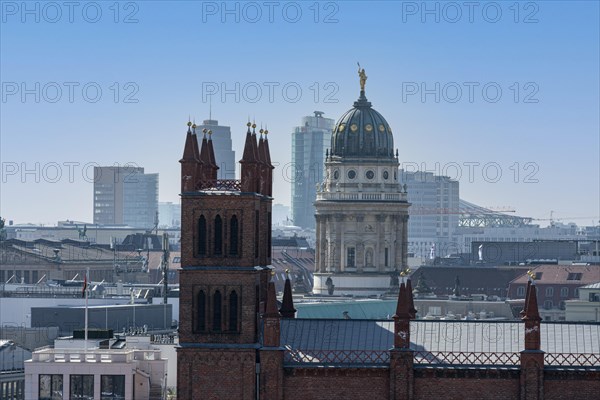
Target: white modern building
(587,307)
(108,369)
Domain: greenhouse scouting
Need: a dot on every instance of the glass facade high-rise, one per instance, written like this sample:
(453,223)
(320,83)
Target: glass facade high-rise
(309,143)
(224,155)
(125,196)
(433,215)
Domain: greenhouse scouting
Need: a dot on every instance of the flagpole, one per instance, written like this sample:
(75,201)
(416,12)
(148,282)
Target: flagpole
(85,283)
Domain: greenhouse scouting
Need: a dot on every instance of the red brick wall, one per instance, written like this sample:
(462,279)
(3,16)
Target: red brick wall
(226,205)
(336,383)
(215,374)
(559,385)
(246,280)
(466,388)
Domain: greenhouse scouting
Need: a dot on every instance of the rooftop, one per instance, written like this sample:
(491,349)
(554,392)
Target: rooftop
(563,274)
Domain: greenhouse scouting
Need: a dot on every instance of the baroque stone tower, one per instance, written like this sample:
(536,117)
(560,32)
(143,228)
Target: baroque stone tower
(225,257)
(361,208)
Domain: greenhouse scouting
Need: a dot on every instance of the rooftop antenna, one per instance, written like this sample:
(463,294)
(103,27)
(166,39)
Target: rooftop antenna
(210,108)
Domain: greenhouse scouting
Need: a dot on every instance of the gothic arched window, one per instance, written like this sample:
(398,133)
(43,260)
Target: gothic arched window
(201,311)
(218,236)
(233,311)
(233,236)
(216,322)
(202,236)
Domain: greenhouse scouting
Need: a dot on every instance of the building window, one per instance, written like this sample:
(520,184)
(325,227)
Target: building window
(82,387)
(350,257)
(351,174)
(233,236)
(202,235)
(562,305)
(549,291)
(548,304)
(574,276)
(51,387)
(521,291)
(216,311)
(386,257)
(201,311)
(564,292)
(218,236)
(112,387)
(233,311)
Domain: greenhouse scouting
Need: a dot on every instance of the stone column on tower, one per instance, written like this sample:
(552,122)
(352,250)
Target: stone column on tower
(338,259)
(404,241)
(380,243)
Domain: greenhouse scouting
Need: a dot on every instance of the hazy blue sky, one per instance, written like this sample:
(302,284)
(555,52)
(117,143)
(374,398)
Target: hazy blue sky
(155,63)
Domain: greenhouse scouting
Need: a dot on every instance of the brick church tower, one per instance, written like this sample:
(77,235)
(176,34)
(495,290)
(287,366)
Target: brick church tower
(225,258)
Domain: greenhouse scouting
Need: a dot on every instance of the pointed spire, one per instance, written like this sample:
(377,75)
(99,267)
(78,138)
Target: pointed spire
(254,143)
(269,165)
(267,151)
(188,150)
(402,320)
(411,303)
(204,157)
(524,310)
(532,312)
(261,147)
(211,156)
(271,319)
(402,307)
(249,156)
(271,301)
(287,309)
(195,143)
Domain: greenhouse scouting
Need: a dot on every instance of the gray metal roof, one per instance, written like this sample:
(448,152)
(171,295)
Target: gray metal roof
(319,337)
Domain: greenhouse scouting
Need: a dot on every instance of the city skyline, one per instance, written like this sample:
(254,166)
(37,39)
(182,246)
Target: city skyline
(535,149)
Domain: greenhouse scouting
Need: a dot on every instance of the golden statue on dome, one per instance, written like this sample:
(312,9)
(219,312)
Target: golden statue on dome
(363,77)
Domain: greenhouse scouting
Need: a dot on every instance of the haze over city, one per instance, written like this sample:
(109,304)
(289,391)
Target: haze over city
(502,97)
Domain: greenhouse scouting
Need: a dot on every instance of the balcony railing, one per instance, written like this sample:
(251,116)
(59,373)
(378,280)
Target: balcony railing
(361,196)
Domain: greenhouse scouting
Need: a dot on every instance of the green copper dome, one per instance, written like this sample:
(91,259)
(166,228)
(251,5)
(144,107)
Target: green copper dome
(362,132)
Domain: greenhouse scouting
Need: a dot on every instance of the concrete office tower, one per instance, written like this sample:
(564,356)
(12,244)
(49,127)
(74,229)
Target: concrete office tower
(222,145)
(309,142)
(125,196)
(434,214)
